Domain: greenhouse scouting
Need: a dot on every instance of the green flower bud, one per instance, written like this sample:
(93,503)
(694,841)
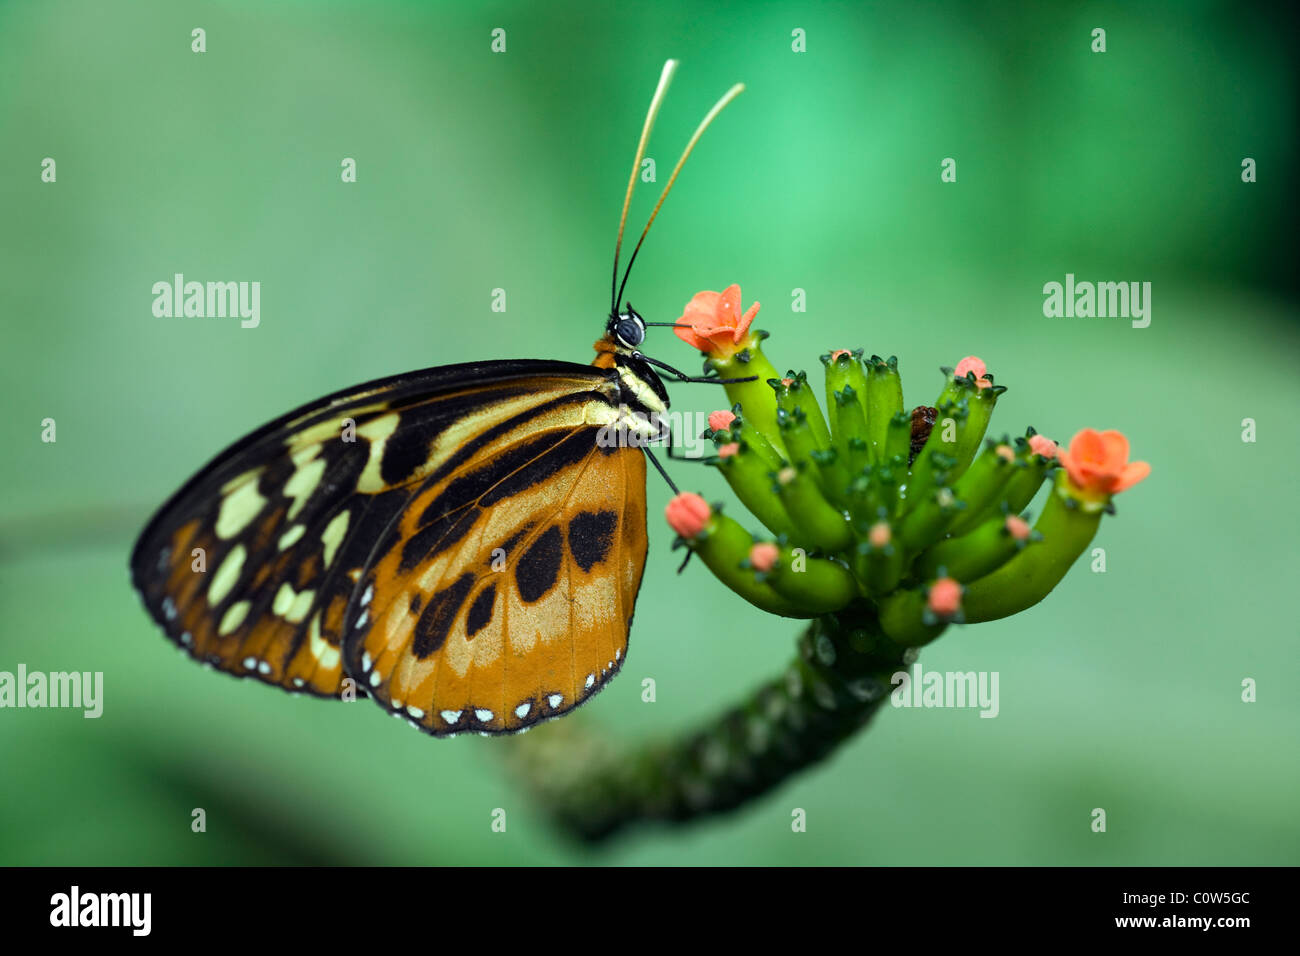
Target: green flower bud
(750,477)
(724,547)
(795,395)
(1067,527)
(850,428)
(884,402)
(757,403)
(993,543)
(817,585)
(980,489)
(878,561)
(818,522)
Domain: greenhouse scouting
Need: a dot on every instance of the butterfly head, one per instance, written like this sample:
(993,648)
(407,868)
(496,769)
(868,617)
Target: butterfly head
(627,329)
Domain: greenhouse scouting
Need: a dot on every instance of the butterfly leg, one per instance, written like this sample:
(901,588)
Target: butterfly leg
(670,447)
(698,379)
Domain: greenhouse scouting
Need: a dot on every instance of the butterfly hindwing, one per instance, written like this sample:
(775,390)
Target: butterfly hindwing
(503,593)
(252,566)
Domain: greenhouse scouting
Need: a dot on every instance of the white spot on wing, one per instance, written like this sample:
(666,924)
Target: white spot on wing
(522,710)
(555,700)
(377,433)
(304,479)
(483,715)
(233,618)
(283,599)
(451,716)
(333,536)
(290,537)
(224,580)
(238,508)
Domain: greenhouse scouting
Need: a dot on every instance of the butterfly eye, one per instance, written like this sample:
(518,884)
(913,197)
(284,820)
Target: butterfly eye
(630,331)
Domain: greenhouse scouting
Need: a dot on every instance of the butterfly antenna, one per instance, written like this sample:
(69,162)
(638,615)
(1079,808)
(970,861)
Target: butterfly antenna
(656,101)
(709,117)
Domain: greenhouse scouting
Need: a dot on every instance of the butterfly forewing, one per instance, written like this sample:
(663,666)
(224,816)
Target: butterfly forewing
(252,566)
(503,593)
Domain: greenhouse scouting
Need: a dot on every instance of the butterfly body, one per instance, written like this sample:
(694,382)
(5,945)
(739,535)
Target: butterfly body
(463,545)
(470,558)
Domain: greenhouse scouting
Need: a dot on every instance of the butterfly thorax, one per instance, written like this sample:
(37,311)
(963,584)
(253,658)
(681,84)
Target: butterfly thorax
(642,396)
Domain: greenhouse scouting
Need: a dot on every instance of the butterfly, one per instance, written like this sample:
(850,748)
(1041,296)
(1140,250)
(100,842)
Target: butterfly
(463,545)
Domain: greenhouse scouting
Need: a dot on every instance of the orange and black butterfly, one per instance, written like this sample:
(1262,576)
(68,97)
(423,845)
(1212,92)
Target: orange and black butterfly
(464,542)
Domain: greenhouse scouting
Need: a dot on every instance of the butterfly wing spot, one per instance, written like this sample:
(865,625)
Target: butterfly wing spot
(333,536)
(539,567)
(290,537)
(591,679)
(480,612)
(169,608)
(451,717)
(439,614)
(234,617)
(522,710)
(591,536)
(376,432)
(415,712)
(555,700)
(367,594)
(306,476)
(238,509)
(227,574)
(484,716)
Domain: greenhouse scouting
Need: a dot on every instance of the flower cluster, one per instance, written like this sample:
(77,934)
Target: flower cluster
(913,516)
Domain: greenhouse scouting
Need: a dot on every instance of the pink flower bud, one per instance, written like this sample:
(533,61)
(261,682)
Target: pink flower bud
(763,556)
(721,419)
(1018,527)
(974,364)
(688,514)
(945,597)
(1042,445)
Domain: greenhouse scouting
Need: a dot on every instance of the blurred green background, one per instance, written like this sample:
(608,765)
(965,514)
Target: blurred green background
(479,171)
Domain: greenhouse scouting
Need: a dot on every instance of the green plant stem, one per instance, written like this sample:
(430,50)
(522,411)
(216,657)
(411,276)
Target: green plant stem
(837,681)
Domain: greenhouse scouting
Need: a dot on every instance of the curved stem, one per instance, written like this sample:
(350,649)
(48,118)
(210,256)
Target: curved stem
(831,689)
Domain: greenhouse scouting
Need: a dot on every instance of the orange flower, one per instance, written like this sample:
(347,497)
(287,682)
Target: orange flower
(1098,462)
(716,323)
